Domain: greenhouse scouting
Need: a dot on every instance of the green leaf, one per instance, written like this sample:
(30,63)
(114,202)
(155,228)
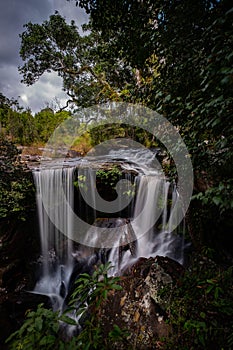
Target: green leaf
(105,294)
(116,286)
(209,289)
(68,320)
(13,335)
(217,200)
(38,324)
(50,339)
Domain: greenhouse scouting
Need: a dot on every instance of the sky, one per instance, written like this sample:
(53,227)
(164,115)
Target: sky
(13,15)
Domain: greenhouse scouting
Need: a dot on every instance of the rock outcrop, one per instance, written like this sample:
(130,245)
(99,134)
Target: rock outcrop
(140,306)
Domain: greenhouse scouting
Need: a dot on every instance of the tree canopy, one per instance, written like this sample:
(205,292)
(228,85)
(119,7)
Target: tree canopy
(91,73)
(21,127)
(172,56)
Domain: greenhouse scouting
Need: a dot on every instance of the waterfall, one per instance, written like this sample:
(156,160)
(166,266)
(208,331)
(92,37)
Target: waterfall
(153,222)
(146,228)
(56,249)
(154,219)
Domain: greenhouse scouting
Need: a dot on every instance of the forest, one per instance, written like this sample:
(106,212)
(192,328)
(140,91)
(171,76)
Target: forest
(175,58)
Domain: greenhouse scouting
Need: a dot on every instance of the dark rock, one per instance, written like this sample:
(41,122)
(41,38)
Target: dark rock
(19,246)
(73,154)
(13,307)
(140,306)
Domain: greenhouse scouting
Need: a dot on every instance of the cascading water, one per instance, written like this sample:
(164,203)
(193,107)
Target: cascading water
(153,222)
(56,249)
(154,219)
(145,228)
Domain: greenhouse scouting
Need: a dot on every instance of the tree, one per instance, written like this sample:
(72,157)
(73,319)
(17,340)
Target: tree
(182,51)
(16,123)
(184,60)
(5,105)
(46,122)
(20,126)
(174,57)
(16,184)
(89,72)
(127,25)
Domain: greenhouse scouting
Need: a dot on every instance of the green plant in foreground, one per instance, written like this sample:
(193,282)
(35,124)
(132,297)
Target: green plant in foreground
(90,292)
(41,329)
(81,182)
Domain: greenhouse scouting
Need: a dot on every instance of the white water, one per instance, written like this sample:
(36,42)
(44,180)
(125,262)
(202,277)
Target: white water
(153,223)
(56,249)
(154,197)
(151,220)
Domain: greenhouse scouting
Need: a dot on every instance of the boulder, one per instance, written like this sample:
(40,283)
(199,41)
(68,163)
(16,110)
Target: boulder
(140,306)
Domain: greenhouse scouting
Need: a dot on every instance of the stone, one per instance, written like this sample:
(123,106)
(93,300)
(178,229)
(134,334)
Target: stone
(140,307)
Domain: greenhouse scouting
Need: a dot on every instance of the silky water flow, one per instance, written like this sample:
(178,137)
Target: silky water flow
(149,229)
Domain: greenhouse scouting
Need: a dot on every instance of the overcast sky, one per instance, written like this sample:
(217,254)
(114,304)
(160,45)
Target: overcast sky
(13,15)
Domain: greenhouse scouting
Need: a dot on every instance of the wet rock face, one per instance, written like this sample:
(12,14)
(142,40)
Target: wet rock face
(140,306)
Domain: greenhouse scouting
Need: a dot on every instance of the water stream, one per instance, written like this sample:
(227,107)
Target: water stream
(56,249)
(146,228)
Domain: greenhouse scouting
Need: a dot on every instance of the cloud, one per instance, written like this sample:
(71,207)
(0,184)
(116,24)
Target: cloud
(24,98)
(13,15)
(44,92)
(36,96)
(10,80)
(70,11)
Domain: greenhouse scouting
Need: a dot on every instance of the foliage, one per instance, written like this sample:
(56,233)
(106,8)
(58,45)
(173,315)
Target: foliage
(83,143)
(126,25)
(220,196)
(15,123)
(92,290)
(84,62)
(41,329)
(109,177)
(81,182)
(46,122)
(16,184)
(110,131)
(182,56)
(175,58)
(90,293)
(21,127)
(202,307)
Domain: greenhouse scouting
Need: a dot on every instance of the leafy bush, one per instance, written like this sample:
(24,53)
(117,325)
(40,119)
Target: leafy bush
(202,307)
(39,331)
(220,195)
(16,184)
